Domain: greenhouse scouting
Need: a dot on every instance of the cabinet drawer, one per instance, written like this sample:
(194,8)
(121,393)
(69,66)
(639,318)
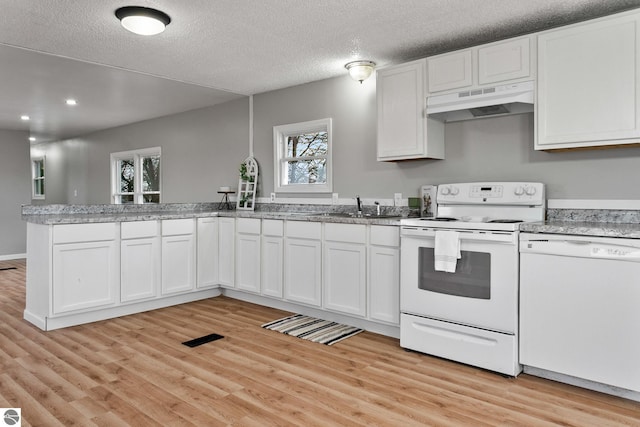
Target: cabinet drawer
(173,227)
(304,230)
(138,229)
(248,225)
(273,227)
(385,235)
(349,233)
(72,233)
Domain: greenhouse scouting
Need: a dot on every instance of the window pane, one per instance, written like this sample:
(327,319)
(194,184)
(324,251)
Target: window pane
(307,172)
(151,198)
(38,167)
(125,199)
(126,176)
(151,173)
(38,187)
(307,144)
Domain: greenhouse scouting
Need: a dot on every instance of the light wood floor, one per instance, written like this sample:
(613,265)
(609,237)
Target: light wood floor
(135,371)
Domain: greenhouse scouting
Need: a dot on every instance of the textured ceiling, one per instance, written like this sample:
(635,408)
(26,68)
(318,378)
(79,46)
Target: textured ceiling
(252,46)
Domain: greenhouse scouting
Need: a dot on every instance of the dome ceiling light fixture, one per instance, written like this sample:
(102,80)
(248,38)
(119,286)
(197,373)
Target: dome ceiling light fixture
(360,70)
(143,20)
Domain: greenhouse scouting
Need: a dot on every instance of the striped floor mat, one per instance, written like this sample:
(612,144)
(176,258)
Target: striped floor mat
(312,329)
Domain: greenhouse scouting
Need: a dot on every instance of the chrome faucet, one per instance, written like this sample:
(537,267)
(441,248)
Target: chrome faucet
(359,205)
(377,208)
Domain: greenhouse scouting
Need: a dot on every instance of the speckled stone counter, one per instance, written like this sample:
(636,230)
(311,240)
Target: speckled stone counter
(79,214)
(599,229)
(588,222)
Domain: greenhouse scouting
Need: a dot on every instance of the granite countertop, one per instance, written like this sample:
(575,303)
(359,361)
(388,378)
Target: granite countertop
(109,213)
(584,228)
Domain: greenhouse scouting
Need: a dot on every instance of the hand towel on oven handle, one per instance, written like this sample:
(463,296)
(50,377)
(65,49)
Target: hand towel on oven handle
(446,251)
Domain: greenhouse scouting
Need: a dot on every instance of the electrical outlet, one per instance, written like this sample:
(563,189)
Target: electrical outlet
(397,199)
(273,197)
(334,198)
(75,193)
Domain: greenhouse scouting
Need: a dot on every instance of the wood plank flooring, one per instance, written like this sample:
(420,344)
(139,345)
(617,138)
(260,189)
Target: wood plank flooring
(134,371)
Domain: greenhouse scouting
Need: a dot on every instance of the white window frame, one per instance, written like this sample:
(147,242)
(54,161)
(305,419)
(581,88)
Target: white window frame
(137,155)
(35,177)
(280,134)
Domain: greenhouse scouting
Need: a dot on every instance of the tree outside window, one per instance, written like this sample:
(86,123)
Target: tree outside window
(37,175)
(136,176)
(303,157)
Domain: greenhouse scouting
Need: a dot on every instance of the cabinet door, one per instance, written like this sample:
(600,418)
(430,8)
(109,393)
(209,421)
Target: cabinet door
(207,252)
(272,265)
(85,275)
(302,270)
(402,126)
(588,92)
(178,263)
(226,251)
(450,71)
(504,61)
(139,268)
(248,262)
(384,284)
(345,283)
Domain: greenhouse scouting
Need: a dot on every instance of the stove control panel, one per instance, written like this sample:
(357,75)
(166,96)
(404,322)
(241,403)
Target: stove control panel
(500,193)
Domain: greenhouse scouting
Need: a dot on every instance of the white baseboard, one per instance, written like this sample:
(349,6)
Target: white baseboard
(12,256)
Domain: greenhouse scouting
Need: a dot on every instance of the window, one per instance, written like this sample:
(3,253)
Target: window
(303,157)
(135,176)
(37,178)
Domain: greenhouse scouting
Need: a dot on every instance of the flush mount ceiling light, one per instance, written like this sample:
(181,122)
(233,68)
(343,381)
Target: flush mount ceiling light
(143,20)
(360,70)
(71,101)
(24,118)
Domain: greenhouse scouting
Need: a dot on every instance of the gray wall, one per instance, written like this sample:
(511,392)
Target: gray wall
(15,190)
(485,149)
(202,149)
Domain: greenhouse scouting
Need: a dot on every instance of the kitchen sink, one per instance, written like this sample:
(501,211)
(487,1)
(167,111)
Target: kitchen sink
(355,215)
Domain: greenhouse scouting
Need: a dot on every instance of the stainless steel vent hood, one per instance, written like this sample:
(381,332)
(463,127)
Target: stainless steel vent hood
(514,98)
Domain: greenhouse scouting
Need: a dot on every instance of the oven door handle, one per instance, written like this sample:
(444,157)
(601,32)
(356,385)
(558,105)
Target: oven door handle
(475,235)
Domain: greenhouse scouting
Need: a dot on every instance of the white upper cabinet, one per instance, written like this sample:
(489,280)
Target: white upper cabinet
(403,131)
(502,61)
(588,85)
(489,64)
(450,71)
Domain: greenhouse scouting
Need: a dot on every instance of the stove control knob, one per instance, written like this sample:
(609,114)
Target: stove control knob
(518,191)
(454,191)
(445,191)
(530,191)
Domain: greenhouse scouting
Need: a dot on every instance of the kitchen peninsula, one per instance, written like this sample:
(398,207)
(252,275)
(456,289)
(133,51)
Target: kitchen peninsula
(94,262)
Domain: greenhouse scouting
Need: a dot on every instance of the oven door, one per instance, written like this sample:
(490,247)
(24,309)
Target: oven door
(482,292)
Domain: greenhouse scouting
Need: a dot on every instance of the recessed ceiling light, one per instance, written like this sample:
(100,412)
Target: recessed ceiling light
(143,20)
(32,138)
(24,117)
(71,102)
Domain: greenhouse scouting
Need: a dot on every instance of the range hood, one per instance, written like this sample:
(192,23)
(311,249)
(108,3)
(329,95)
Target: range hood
(513,98)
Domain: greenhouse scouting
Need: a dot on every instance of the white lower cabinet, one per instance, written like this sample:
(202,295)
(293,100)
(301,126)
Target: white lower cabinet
(344,269)
(178,255)
(85,266)
(139,260)
(226,251)
(207,253)
(384,274)
(303,262)
(272,260)
(247,276)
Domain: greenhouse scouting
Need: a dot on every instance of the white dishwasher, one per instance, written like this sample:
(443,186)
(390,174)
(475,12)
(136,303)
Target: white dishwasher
(580,307)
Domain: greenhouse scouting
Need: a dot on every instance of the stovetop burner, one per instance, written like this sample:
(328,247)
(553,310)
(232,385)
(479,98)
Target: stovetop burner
(506,221)
(442,218)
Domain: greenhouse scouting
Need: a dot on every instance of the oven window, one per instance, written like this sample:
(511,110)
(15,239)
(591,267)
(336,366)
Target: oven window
(472,278)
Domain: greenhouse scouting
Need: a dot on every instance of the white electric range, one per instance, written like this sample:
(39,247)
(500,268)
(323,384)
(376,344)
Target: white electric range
(470,313)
